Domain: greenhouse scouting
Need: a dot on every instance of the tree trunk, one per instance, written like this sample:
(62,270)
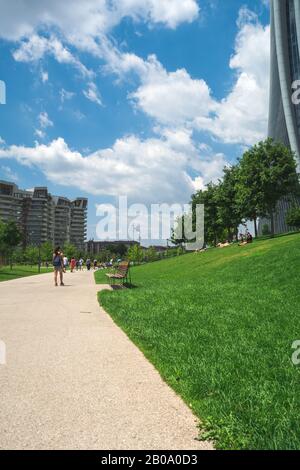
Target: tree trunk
(272,224)
(255,227)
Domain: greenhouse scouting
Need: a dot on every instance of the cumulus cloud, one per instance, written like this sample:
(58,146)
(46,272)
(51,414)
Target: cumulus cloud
(83,21)
(242,115)
(151,170)
(35,47)
(154,169)
(175,97)
(172,97)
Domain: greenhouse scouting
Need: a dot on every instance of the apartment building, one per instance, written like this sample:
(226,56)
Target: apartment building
(43,217)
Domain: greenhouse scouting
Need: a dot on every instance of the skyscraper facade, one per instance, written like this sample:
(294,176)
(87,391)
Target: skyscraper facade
(284,114)
(43,217)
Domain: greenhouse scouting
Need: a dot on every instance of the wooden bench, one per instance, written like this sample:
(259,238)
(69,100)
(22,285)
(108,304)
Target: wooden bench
(122,273)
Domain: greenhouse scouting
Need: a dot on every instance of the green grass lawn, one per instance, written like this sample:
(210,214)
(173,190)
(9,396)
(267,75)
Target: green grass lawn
(219,327)
(6,274)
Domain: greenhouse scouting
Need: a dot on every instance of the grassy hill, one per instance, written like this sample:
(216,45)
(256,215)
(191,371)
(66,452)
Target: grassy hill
(219,327)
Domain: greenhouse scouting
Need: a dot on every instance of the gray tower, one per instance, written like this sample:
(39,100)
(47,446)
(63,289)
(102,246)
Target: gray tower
(284,115)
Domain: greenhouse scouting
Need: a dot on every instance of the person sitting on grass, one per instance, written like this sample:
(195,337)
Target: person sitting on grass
(249,238)
(58,266)
(223,245)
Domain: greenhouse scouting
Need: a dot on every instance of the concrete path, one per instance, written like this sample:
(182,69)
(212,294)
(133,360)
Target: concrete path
(73,380)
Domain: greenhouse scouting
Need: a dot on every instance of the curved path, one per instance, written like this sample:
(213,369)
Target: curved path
(73,380)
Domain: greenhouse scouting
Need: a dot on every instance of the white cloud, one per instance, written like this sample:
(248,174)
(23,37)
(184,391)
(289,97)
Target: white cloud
(66,95)
(172,97)
(44,76)
(83,21)
(242,116)
(151,170)
(35,47)
(39,133)
(8,174)
(45,121)
(2,141)
(169,12)
(92,94)
(175,97)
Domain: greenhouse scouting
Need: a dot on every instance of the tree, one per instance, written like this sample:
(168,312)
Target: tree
(46,251)
(250,197)
(177,234)
(228,210)
(10,237)
(151,254)
(70,250)
(213,230)
(121,249)
(136,254)
(293,217)
(31,255)
(267,173)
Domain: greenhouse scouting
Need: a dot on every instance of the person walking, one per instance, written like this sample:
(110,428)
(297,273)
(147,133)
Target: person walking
(88,264)
(66,262)
(73,264)
(58,266)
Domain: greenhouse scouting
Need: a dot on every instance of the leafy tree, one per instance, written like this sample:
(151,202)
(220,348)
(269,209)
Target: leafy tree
(31,255)
(70,250)
(10,238)
(151,254)
(267,173)
(250,196)
(121,249)
(228,210)
(46,251)
(293,217)
(136,254)
(213,230)
(177,235)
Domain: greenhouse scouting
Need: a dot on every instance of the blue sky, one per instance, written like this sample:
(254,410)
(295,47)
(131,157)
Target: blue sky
(149,98)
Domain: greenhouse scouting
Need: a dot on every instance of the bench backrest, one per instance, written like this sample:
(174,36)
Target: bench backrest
(123,268)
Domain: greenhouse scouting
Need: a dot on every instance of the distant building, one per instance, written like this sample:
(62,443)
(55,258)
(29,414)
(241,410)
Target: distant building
(43,217)
(284,115)
(95,247)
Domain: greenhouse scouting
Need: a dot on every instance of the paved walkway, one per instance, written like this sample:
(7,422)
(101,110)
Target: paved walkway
(73,380)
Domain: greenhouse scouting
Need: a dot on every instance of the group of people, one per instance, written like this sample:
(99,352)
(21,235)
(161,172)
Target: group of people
(79,264)
(61,263)
(244,239)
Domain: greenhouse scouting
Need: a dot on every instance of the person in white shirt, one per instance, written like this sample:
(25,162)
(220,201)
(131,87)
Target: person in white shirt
(66,262)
